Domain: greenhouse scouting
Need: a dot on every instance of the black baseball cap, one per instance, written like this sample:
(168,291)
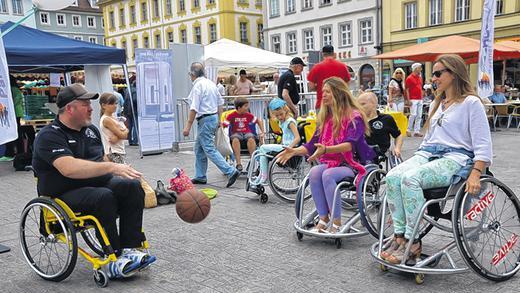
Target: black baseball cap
(74,92)
(327,49)
(297,61)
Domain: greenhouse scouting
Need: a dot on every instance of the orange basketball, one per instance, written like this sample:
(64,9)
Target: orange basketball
(192,206)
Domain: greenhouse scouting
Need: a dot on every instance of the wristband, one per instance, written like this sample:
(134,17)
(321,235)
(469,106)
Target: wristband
(480,171)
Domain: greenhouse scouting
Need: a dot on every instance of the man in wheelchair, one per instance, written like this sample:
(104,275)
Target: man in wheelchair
(382,127)
(68,161)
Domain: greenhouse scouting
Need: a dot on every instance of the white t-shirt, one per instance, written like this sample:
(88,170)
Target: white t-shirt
(462,125)
(204,97)
(117,147)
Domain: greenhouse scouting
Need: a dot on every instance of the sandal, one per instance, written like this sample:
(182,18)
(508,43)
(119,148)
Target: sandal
(334,229)
(392,246)
(322,229)
(397,256)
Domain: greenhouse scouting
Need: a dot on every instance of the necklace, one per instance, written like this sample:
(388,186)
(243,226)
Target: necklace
(446,104)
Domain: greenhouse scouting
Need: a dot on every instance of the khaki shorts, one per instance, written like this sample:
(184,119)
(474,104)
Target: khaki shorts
(242,136)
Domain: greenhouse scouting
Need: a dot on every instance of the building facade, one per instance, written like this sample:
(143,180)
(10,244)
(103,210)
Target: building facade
(132,24)
(14,10)
(82,20)
(298,27)
(408,22)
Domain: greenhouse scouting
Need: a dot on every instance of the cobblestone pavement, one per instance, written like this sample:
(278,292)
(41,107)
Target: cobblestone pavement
(243,246)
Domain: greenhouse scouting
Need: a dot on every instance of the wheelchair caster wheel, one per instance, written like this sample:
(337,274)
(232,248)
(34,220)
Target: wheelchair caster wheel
(383,268)
(299,236)
(101,278)
(263,198)
(419,278)
(337,242)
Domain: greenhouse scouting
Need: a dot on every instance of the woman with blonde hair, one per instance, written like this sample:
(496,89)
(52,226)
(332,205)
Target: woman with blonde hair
(396,90)
(231,89)
(457,146)
(340,147)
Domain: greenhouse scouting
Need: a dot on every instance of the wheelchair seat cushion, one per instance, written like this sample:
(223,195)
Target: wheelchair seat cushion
(435,193)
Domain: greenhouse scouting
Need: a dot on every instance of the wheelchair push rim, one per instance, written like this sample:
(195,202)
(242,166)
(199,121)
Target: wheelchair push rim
(487,230)
(369,201)
(49,245)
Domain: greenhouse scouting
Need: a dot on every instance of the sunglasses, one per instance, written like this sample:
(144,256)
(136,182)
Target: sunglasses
(438,73)
(398,73)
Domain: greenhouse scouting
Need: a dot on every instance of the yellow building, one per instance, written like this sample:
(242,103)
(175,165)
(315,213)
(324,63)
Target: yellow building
(132,24)
(408,22)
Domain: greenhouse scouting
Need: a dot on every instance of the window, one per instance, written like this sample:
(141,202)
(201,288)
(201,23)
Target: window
(243,32)
(93,40)
(3,7)
(133,17)
(158,41)
(44,18)
(112,21)
(325,2)
(212,32)
(500,7)
(123,44)
(308,40)
(435,12)
(170,37)
(345,34)
(260,34)
(168,7)
(365,31)
(184,36)
(17,7)
(182,5)
(91,21)
(196,3)
(102,22)
(60,19)
(291,43)
(326,36)
(76,20)
(461,10)
(275,44)
(78,38)
(290,6)
(211,1)
(274,6)
(146,42)
(134,46)
(155,8)
(410,11)
(198,36)
(122,16)
(257,2)
(74,3)
(144,11)
(307,4)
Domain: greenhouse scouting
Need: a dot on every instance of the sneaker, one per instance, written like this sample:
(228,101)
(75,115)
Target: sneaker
(6,159)
(123,267)
(143,259)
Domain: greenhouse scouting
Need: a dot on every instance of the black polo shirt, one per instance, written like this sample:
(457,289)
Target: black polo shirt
(288,82)
(381,128)
(57,140)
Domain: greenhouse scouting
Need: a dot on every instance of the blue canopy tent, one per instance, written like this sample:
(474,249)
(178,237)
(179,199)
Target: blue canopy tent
(32,50)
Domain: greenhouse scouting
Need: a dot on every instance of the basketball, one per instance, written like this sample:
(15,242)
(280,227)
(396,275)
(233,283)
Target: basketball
(192,206)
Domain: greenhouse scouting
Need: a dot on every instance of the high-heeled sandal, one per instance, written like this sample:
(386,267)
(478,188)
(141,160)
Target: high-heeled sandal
(334,229)
(397,256)
(323,229)
(392,246)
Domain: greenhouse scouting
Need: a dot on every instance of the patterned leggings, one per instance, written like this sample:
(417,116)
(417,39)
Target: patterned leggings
(405,184)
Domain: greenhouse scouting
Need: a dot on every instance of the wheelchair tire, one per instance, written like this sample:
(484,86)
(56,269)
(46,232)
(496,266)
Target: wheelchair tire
(41,246)
(369,199)
(89,236)
(481,221)
(286,187)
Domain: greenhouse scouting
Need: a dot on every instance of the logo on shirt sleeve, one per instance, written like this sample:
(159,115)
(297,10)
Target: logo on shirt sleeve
(90,134)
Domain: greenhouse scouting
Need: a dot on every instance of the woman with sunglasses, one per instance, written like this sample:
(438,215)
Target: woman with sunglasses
(457,145)
(396,92)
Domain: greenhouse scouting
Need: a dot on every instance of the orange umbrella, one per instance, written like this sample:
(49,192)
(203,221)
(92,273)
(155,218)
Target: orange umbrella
(467,48)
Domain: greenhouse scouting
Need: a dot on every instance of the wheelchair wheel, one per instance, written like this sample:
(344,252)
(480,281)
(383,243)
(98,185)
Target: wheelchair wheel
(487,230)
(285,180)
(48,239)
(369,199)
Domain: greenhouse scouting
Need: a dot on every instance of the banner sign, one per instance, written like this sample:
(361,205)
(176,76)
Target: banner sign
(155,103)
(8,127)
(485,60)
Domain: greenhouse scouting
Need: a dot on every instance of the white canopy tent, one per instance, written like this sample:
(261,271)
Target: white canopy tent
(227,56)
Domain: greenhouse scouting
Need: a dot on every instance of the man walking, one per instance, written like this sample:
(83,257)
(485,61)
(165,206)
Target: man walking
(329,67)
(414,92)
(287,86)
(206,106)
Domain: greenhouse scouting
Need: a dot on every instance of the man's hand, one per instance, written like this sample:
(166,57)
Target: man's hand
(295,111)
(320,150)
(396,152)
(126,171)
(186,131)
(473,183)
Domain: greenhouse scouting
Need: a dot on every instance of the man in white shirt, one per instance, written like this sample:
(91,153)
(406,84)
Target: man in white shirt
(206,106)
(221,88)
(273,88)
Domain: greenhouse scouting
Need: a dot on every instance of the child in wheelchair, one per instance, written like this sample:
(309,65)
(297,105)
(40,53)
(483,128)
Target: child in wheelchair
(457,145)
(339,146)
(241,132)
(290,137)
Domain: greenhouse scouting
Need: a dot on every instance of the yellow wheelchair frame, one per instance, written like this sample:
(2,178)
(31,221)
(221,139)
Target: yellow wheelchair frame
(55,215)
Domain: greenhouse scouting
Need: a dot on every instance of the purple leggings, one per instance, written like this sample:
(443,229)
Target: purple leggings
(323,182)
